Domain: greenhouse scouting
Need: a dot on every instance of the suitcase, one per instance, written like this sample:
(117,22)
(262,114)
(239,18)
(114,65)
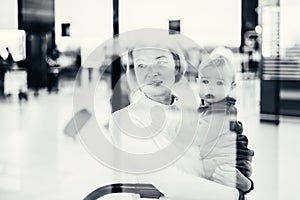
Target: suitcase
(15,83)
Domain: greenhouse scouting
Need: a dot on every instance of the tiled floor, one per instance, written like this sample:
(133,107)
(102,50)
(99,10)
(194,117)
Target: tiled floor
(38,161)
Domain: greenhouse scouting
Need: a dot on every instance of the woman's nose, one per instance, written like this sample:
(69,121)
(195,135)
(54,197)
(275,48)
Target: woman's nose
(153,74)
(153,71)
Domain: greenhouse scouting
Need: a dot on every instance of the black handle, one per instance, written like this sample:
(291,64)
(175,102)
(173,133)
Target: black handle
(144,190)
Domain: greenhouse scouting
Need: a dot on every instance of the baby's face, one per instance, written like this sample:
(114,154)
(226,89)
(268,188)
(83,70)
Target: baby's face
(214,83)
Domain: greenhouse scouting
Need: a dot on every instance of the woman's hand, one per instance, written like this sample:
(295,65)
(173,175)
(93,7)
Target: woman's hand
(231,176)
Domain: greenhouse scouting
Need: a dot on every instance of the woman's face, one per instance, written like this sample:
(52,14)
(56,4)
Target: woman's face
(155,71)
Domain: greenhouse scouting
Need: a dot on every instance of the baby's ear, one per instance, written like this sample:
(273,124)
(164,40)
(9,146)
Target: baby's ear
(232,92)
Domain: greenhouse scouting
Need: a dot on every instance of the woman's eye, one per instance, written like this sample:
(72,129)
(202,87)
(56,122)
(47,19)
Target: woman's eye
(205,81)
(161,62)
(141,65)
(220,83)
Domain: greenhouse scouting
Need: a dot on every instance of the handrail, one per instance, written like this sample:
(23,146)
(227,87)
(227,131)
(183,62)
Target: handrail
(281,69)
(144,190)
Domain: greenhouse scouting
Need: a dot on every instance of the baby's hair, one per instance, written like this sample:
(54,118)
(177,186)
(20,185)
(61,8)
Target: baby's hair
(219,57)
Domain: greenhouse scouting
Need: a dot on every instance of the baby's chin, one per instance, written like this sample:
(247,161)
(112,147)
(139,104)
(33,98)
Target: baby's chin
(209,98)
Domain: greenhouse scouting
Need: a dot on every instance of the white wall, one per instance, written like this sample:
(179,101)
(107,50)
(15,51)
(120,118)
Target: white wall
(8,14)
(213,22)
(289,25)
(9,35)
(91,23)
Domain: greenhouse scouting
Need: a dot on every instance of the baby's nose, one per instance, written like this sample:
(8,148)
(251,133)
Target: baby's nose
(210,87)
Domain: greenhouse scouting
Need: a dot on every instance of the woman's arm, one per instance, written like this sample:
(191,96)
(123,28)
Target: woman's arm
(175,184)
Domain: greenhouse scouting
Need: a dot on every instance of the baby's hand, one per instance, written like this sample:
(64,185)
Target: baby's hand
(231,176)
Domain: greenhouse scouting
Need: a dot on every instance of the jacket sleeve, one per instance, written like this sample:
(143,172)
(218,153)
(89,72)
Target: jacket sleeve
(244,155)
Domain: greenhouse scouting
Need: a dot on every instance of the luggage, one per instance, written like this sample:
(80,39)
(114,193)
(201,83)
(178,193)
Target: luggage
(15,82)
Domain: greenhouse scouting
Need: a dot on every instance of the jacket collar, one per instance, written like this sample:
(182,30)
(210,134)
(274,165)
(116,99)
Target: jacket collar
(228,101)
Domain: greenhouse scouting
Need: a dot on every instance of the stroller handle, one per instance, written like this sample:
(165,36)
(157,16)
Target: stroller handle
(144,190)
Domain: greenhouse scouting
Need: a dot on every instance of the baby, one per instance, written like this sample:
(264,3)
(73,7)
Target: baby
(217,140)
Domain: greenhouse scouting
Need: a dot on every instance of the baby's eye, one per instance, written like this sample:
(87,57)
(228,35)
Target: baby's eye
(220,83)
(205,81)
